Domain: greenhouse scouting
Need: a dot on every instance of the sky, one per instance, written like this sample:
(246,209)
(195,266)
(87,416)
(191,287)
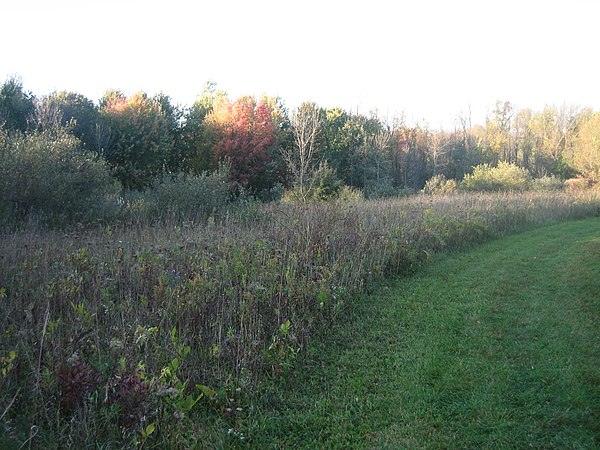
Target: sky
(426,60)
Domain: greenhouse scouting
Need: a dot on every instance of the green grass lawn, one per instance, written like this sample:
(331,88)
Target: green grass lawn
(498,347)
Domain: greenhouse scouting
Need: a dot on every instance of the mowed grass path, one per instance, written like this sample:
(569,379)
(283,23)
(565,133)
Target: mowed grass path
(498,347)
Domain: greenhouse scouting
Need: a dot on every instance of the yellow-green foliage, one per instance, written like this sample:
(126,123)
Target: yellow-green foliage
(578,184)
(439,185)
(550,183)
(505,177)
(586,158)
(348,194)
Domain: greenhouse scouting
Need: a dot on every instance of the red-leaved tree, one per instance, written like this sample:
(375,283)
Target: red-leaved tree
(245,137)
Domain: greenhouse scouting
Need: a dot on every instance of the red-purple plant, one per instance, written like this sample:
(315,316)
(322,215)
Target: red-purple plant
(76,383)
(131,393)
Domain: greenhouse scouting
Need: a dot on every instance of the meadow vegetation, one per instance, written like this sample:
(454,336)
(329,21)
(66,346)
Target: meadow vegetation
(159,265)
(496,347)
(132,332)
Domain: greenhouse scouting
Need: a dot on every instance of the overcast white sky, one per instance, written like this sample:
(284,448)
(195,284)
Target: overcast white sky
(430,59)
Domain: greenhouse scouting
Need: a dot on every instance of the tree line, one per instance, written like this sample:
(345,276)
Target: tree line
(144,139)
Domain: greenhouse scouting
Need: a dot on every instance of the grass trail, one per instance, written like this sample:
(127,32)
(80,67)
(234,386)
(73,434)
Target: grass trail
(495,348)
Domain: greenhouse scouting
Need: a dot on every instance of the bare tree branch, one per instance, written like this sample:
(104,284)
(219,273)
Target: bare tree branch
(301,158)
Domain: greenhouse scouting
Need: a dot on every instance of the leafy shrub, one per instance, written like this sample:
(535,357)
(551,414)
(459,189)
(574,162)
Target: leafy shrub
(273,194)
(47,174)
(505,177)
(577,184)
(179,196)
(349,194)
(382,188)
(438,184)
(324,186)
(550,183)
(293,196)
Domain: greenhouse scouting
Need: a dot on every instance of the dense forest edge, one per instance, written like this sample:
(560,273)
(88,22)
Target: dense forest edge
(159,265)
(67,159)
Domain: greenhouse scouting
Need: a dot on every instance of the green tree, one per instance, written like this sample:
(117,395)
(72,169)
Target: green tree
(461,151)
(139,144)
(409,157)
(177,159)
(546,150)
(16,105)
(276,172)
(325,184)
(78,113)
(586,157)
(340,141)
(497,137)
(344,138)
(197,136)
(377,165)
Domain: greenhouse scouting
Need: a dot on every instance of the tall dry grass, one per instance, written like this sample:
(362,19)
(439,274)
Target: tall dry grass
(106,331)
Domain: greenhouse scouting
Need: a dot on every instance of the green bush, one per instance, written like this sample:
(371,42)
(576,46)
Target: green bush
(505,177)
(293,196)
(578,184)
(47,175)
(324,186)
(550,183)
(179,196)
(439,185)
(381,188)
(349,194)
